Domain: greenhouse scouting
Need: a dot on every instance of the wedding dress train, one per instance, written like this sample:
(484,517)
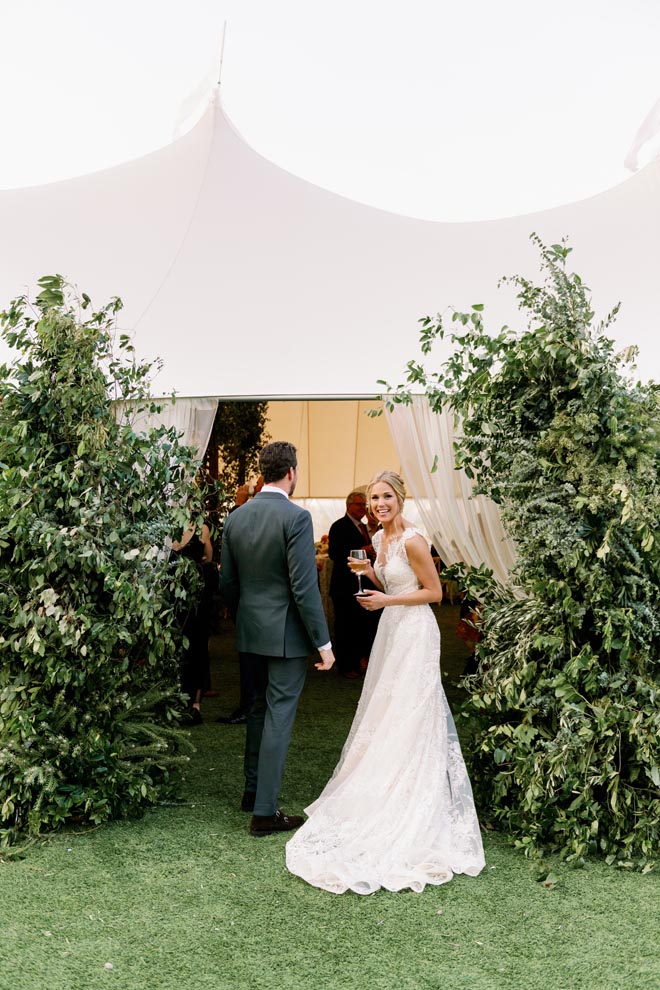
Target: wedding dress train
(398,810)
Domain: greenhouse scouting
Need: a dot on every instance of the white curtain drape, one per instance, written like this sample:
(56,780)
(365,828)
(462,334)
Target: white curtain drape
(463,527)
(192,419)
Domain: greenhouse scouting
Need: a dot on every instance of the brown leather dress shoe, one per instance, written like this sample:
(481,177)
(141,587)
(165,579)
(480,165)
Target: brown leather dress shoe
(267,824)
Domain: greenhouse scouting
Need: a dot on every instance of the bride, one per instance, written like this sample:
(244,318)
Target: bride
(398,810)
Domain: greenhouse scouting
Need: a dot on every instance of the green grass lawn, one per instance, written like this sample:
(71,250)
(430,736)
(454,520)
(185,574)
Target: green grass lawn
(185,898)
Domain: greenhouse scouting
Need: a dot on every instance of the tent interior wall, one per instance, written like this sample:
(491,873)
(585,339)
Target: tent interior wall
(340,447)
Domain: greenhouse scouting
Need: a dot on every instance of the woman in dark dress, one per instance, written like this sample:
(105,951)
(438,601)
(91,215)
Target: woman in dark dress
(196,620)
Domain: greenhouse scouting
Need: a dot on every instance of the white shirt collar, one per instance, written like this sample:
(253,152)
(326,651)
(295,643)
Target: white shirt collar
(266,489)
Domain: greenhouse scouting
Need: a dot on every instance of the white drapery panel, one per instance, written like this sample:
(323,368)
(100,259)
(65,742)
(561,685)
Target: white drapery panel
(463,527)
(191,418)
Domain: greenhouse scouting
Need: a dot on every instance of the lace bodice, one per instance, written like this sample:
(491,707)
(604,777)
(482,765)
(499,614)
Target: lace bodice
(392,567)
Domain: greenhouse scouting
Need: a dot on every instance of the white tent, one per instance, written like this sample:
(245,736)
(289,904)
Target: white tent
(248,281)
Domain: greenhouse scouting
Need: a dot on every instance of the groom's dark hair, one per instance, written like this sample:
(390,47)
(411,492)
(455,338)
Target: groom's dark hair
(275,459)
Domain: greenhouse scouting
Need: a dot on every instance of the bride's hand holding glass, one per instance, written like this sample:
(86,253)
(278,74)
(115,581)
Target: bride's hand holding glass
(358,562)
(372,600)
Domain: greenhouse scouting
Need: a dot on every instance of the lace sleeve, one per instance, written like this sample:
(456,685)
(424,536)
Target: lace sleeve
(413,531)
(376,540)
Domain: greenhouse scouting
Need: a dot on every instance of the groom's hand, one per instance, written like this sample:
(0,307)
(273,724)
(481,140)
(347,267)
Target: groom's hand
(326,661)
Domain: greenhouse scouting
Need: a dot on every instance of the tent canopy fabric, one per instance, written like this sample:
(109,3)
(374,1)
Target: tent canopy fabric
(248,281)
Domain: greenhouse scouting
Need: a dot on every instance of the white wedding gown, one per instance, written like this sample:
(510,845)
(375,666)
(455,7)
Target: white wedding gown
(398,810)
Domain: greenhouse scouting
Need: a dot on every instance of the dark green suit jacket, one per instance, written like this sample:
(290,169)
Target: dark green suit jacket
(269,580)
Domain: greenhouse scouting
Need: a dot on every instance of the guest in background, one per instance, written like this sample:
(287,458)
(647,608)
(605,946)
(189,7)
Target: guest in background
(468,630)
(247,491)
(355,628)
(196,620)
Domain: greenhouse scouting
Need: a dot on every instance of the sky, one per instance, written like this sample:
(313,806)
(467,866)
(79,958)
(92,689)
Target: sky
(446,111)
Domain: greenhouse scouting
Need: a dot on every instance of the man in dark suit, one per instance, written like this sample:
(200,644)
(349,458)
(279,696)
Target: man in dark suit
(269,581)
(355,628)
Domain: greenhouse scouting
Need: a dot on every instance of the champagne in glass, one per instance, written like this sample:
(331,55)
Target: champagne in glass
(360,556)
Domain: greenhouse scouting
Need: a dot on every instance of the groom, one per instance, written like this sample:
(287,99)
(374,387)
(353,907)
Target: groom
(269,581)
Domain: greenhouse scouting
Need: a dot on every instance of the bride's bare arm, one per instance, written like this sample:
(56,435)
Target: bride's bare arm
(421,561)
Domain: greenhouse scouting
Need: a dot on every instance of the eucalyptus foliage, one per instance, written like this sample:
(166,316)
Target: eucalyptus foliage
(566,753)
(89,641)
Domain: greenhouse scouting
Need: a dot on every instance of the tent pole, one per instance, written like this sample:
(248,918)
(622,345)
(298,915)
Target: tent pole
(222,52)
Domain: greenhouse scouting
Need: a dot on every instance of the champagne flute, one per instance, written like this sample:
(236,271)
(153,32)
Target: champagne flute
(361,557)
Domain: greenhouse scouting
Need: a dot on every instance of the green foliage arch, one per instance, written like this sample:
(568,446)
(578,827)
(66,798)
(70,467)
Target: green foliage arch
(566,703)
(89,638)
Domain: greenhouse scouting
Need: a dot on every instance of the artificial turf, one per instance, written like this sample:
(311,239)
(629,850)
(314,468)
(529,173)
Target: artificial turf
(185,898)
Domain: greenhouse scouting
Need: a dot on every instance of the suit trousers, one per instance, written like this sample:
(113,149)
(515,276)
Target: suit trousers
(278,683)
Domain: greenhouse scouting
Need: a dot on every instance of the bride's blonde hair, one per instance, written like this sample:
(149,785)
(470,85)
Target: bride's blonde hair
(394,480)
